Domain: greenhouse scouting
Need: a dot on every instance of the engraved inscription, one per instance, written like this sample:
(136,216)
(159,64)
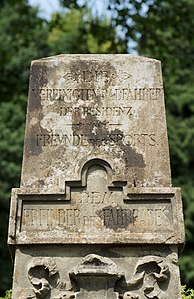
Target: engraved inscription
(143,140)
(144,217)
(39,217)
(95,198)
(97,111)
(151,217)
(85,76)
(89,94)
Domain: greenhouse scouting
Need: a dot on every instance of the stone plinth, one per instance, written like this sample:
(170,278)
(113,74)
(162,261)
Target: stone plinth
(96,215)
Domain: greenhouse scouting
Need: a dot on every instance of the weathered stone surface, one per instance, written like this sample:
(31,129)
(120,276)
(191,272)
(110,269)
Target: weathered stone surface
(68,271)
(109,107)
(96,216)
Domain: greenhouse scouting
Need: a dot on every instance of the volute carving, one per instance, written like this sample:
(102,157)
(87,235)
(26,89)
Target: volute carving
(150,280)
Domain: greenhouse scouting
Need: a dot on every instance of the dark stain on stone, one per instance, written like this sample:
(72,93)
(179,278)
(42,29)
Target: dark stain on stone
(91,127)
(116,217)
(34,140)
(38,81)
(97,134)
(131,157)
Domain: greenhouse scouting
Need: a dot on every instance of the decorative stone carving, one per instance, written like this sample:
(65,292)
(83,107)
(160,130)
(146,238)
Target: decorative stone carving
(89,279)
(150,279)
(92,275)
(43,274)
(152,276)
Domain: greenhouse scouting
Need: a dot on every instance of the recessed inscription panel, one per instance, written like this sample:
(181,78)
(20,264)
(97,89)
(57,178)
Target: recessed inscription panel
(98,209)
(105,216)
(109,104)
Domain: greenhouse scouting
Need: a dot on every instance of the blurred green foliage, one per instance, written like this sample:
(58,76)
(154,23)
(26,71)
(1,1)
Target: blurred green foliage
(161,29)
(187,293)
(8,295)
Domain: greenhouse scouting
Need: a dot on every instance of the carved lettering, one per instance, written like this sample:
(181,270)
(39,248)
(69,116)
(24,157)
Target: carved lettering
(101,76)
(86,76)
(90,94)
(43,218)
(116,217)
(96,111)
(143,140)
(94,198)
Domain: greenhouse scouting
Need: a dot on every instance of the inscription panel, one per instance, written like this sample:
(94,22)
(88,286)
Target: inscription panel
(105,216)
(136,216)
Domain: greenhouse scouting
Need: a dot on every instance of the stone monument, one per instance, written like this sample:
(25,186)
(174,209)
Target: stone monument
(96,216)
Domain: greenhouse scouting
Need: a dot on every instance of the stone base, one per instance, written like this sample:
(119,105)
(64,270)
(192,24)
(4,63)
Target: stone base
(96,271)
